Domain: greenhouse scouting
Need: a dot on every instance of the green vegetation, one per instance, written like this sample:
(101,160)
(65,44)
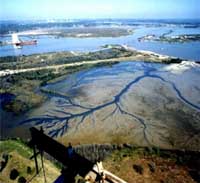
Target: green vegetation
(19,146)
(171,39)
(180,38)
(91,32)
(16,166)
(26,86)
(49,59)
(135,164)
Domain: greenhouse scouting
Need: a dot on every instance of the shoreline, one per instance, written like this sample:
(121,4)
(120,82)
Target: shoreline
(135,55)
(29,73)
(23,86)
(78,32)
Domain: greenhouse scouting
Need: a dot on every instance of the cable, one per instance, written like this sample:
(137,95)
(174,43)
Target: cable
(45,180)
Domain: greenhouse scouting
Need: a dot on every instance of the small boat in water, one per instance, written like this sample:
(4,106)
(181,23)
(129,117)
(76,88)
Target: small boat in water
(18,43)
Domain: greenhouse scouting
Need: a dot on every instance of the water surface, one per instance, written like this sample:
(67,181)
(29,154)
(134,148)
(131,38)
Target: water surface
(190,50)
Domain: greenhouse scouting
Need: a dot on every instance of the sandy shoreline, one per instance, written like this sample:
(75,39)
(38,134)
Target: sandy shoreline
(141,54)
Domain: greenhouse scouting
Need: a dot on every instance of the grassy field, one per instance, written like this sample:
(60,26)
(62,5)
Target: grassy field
(15,157)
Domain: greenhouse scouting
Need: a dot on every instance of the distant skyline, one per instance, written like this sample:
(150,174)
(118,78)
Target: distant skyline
(94,9)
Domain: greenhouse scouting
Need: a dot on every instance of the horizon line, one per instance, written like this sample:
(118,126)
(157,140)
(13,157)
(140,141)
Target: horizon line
(187,18)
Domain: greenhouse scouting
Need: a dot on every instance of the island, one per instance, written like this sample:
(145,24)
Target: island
(166,37)
(21,75)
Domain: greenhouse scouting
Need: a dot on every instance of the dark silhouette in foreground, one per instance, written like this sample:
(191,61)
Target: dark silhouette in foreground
(74,163)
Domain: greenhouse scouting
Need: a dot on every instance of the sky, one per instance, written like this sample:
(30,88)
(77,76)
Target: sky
(77,9)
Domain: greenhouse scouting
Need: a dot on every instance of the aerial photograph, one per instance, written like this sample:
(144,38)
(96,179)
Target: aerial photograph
(100,91)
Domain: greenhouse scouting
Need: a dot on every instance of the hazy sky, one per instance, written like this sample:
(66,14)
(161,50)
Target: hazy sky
(44,9)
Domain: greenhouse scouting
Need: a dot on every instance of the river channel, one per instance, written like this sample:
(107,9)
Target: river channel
(141,103)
